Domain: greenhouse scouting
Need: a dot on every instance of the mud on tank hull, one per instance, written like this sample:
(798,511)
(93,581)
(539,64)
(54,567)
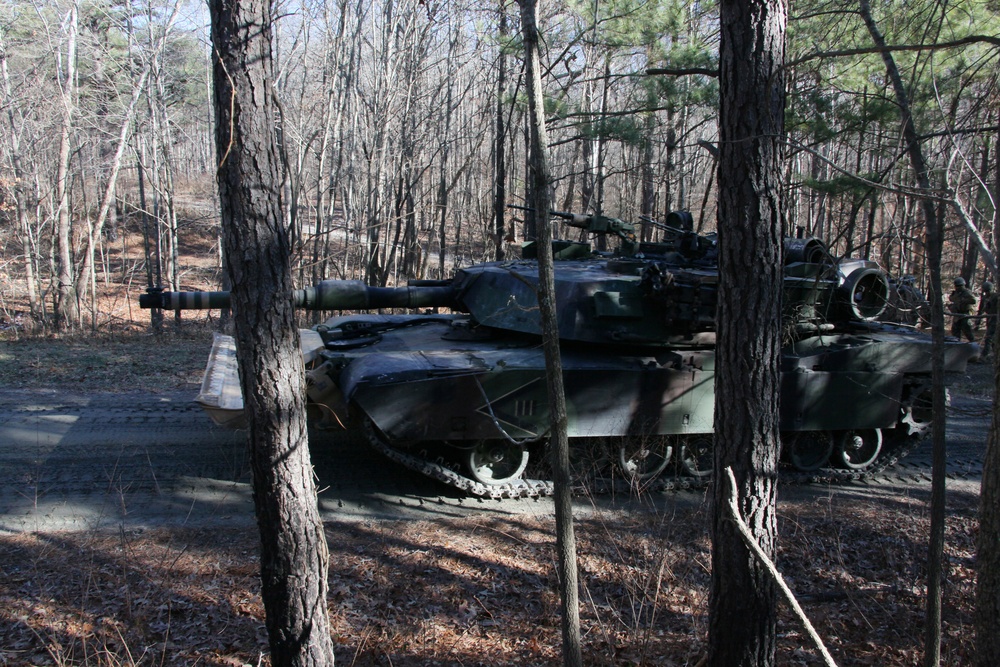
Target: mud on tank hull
(468,405)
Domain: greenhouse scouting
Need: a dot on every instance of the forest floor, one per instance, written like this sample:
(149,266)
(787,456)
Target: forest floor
(463,591)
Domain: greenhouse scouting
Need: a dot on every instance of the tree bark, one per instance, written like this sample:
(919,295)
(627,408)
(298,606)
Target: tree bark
(742,598)
(67,310)
(538,169)
(499,143)
(294,557)
(935,242)
(987,616)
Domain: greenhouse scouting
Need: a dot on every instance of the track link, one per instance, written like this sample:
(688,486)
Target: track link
(439,469)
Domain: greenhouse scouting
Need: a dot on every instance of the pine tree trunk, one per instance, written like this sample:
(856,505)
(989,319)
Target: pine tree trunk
(742,618)
(987,553)
(294,557)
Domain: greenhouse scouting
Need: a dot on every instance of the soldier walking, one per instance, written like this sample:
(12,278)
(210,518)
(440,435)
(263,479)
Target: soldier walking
(913,305)
(988,307)
(963,304)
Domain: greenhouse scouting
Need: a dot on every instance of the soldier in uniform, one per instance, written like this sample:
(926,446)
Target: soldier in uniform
(988,307)
(963,304)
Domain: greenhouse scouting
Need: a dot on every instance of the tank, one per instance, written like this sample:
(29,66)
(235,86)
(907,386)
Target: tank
(448,377)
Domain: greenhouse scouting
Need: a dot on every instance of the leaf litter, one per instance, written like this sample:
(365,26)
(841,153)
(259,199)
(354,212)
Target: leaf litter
(483,591)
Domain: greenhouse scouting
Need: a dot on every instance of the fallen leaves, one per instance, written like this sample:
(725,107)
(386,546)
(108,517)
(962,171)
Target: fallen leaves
(479,592)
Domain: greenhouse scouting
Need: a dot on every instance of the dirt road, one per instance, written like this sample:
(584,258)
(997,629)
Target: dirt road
(84,461)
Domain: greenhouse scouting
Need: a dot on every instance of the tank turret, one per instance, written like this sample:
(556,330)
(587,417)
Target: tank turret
(461,395)
(651,294)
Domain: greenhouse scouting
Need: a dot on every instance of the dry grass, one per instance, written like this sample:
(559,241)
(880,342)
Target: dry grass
(123,361)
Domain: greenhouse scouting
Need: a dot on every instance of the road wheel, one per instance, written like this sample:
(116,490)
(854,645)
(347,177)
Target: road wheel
(859,448)
(696,456)
(644,458)
(808,451)
(496,461)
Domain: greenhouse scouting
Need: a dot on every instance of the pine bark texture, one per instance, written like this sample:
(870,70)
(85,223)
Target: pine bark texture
(294,557)
(742,619)
(987,617)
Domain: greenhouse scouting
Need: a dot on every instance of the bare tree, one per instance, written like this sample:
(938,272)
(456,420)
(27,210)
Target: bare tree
(66,309)
(742,618)
(932,636)
(294,556)
(500,132)
(18,185)
(558,434)
(124,134)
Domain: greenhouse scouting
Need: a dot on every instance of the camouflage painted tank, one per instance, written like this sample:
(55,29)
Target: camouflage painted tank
(460,395)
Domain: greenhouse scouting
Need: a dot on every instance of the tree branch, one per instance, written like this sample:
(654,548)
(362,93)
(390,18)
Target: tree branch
(683,71)
(977,237)
(865,50)
(840,53)
(751,543)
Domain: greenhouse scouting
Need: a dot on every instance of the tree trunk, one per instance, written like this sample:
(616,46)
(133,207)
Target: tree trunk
(20,205)
(538,169)
(499,143)
(150,244)
(742,618)
(934,236)
(66,306)
(294,557)
(987,555)
(647,202)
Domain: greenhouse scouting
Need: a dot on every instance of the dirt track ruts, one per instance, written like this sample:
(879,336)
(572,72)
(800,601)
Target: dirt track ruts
(84,461)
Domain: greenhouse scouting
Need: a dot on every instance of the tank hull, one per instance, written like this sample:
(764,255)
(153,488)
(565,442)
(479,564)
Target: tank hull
(438,380)
(462,397)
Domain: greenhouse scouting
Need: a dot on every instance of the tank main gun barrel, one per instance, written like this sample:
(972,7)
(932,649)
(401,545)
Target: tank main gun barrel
(355,295)
(327,295)
(156,297)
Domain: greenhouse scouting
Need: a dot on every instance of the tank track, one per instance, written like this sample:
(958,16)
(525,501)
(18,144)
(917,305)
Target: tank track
(439,469)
